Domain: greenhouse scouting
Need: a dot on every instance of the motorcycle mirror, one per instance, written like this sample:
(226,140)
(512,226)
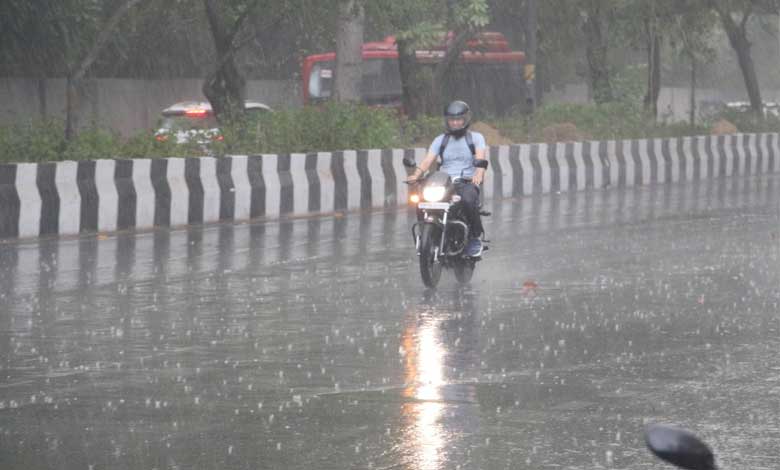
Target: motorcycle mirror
(679,447)
(481,163)
(409,162)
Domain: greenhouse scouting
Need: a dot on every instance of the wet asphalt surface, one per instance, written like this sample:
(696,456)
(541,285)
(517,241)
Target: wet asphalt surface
(311,344)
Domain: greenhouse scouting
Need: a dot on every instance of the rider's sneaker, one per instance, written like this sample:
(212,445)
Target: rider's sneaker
(474,248)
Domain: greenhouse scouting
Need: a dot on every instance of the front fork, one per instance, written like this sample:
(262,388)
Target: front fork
(443,234)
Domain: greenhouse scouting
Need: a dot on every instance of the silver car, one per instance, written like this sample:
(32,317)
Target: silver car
(194,122)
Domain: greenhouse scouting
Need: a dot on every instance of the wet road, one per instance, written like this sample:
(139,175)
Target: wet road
(311,343)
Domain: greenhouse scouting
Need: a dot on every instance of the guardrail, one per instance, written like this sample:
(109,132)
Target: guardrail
(66,198)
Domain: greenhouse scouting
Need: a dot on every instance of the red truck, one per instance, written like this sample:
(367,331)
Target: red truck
(489,75)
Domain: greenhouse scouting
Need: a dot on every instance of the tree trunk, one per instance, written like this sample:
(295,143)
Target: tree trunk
(224,87)
(442,89)
(596,51)
(411,92)
(692,116)
(349,51)
(737,34)
(529,72)
(71,103)
(43,106)
(225,90)
(653,70)
(77,73)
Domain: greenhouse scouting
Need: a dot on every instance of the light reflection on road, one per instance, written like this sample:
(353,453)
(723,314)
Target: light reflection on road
(437,402)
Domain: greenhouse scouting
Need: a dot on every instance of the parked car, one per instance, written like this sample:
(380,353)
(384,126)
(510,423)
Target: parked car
(194,122)
(770,107)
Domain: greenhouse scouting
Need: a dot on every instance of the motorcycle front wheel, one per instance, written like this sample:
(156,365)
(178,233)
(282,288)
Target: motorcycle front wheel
(430,270)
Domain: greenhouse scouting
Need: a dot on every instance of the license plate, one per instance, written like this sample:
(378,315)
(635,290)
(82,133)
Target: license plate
(442,206)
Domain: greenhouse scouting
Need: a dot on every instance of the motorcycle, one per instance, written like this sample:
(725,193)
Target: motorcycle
(441,232)
(679,447)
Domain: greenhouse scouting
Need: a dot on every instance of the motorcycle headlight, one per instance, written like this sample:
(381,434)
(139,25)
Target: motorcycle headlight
(434,193)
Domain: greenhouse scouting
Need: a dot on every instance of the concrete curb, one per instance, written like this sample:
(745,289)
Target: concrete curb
(67,198)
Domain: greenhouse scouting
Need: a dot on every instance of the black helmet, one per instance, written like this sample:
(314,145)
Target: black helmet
(457,109)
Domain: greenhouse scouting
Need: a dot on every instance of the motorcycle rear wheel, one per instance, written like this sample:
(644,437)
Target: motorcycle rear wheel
(464,269)
(430,270)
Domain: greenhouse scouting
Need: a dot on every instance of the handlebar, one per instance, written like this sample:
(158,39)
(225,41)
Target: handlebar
(455,181)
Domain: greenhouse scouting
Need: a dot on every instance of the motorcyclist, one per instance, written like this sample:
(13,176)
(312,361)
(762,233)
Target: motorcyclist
(460,148)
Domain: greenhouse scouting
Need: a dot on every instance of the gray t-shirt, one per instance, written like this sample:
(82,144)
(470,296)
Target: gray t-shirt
(457,157)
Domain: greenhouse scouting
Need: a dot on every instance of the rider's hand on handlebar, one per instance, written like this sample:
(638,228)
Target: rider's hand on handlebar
(414,177)
(477,178)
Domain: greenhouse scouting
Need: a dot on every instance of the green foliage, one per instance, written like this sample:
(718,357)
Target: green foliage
(473,14)
(40,37)
(339,126)
(629,84)
(44,141)
(32,141)
(421,130)
(333,126)
(91,144)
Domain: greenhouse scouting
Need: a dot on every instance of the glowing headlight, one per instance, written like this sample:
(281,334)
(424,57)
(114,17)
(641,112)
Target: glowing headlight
(434,193)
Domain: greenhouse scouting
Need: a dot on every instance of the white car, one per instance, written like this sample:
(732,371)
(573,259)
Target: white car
(194,121)
(770,107)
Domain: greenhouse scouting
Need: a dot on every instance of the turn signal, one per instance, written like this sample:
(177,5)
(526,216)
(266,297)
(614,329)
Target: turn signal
(414,198)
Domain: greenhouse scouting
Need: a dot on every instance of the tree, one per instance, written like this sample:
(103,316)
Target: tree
(736,30)
(690,35)
(653,39)
(349,51)
(236,24)
(414,25)
(48,38)
(465,19)
(596,17)
(416,81)
(32,35)
(32,39)
(560,44)
(76,73)
(419,24)
(531,28)
(225,86)
(645,24)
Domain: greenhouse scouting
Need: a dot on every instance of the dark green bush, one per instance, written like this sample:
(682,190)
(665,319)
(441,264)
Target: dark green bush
(146,145)
(333,126)
(93,143)
(421,131)
(32,141)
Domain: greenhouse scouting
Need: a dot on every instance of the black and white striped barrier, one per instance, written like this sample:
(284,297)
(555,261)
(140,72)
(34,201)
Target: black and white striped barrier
(68,198)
